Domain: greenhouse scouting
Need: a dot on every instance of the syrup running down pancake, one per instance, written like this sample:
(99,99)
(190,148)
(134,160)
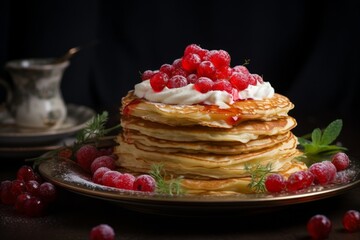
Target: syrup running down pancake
(206,136)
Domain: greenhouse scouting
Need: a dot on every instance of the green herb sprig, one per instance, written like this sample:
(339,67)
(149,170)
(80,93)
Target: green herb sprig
(165,184)
(258,175)
(319,142)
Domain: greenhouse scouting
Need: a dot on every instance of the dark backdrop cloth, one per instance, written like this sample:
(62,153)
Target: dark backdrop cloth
(308,50)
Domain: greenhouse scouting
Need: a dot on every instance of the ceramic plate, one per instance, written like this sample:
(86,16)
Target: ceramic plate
(13,136)
(67,174)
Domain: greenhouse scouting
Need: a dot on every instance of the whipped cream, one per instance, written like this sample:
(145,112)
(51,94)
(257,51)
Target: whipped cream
(188,95)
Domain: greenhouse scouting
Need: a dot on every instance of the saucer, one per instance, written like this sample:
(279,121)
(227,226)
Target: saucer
(14,137)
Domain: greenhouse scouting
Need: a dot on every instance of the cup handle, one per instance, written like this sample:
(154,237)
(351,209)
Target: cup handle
(9,94)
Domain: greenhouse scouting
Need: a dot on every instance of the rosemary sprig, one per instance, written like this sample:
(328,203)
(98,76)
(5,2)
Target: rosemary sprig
(165,184)
(91,134)
(258,175)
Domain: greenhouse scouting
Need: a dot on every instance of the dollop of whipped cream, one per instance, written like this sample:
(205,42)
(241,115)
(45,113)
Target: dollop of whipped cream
(188,95)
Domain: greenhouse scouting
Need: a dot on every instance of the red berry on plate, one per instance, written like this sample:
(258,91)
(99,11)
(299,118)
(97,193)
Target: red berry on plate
(220,58)
(341,161)
(47,192)
(319,227)
(158,81)
(299,180)
(145,183)
(203,84)
(206,69)
(102,161)
(98,174)
(34,206)
(102,232)
(146,75)
(190,62)
(323,173)
(222,85)
(125,181)
(110,178)
(86,155)
(275,183)
(191,78)
(176,81)
(239,80)
(351,220)
(25,173)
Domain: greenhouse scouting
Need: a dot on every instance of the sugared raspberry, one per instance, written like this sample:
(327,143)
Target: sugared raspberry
(351,220)
(322,173)
(190,62)
(191,78)
(258,78)
(224,73)
(110,178)
(239,80)
(176,81)
(275,183)
(167,68)
(179,71)
(299,180)
(319,227)
(341,161)
(177,63)
(158,81)
(125,181)
(194,48)
(206,69)
(85,155)
(146,75)
(25,173)
(241,69)
(98,174)
(145,183)
(102,232)
(219,58)
(102,161)
(222,85)
(47,192)
(203,84)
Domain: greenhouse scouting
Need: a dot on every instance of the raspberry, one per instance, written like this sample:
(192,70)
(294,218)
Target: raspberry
(275,183)
(190,62)
(47,192)
(203,84)
(145,183)
(25,173)
(176,81)
(125,181)
(102,232)
(167,68)
(299,180)
(239,80)
(102,161)
(224,73)
(177,63)
(222,85)
(351,220)
(258,79)
(179,71)
(147,74)
(341,161)
(206,69)
(219,58)
(196,49)
(110,178)
(241,69)
(158,81)
(319,227)
(99,173)
(322,172)
(86,155)
(191,78)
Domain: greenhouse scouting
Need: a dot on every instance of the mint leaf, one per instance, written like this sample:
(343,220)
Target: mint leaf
(316,136)
(331,132)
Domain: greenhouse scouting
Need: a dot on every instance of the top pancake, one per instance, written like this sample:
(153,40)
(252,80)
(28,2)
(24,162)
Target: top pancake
(206,115)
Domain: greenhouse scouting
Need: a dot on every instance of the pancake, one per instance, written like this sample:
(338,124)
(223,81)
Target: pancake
(206,115)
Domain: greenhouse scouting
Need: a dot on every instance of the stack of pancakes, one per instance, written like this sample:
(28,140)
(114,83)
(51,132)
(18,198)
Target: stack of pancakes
(210,148)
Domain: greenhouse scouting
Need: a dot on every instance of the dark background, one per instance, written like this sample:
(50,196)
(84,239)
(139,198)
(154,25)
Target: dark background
(308,50)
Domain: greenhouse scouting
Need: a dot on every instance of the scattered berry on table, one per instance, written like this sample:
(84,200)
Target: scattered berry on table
(102,232)
(319,226)
(47,192)
(25,173)
(351,221)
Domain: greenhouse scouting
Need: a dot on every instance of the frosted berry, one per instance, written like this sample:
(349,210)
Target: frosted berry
(179,71)
(257,78)
(158,81)
(176,81)
(145,183)
(102,161)
(194,48)
(220,58)
(146,75)
(110,178)
(167,68)
(351,221)
(98,174)
(223,73)
(47,192)
(341,161)
(206,69)
(321,173)
(275,183)
(239,80)
(190,62)
(102,232)
(319,227)
(34,206)
(241,69)
(125,181)
(25,173)
(203,84)
(191,78)
(331,170)
(86,155)
(299,180)
(222,85)
(177,63)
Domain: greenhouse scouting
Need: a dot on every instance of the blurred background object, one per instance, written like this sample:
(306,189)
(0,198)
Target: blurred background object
(308,52)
